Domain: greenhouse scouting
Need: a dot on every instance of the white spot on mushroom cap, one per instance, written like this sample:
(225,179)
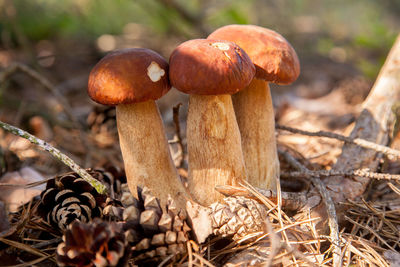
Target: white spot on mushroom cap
(155,72)
(221,46)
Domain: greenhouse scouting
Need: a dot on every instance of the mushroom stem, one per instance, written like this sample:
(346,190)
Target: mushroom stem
(146,154)
(255,117)
(212,134)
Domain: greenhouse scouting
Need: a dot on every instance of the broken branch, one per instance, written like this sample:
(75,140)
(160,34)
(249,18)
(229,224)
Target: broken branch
(351,173)
(389,152)
(330,206)
(374,124)
(55,153)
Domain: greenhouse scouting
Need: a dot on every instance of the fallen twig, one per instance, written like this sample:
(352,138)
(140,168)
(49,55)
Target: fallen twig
(275,244)
(389,152)
(374,124)
(15,67)
(47,243)
(326,173)
(370,230)
(29,185)
(57,154)
(25,247)
(330,206)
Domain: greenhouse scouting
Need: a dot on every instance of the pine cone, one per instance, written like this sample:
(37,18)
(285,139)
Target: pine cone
(102,118)
(94,244)
(155,234)
(120,196)
(103,127)
(112,177)
(238,217)
(113,209)
(69,197)
(115,180)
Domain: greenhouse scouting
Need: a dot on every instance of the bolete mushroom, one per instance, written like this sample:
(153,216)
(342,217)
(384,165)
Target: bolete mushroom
(210,71)
(277,62)
(132,79)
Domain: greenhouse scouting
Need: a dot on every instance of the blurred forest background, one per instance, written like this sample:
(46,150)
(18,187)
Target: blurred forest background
(355,32)
(337,42)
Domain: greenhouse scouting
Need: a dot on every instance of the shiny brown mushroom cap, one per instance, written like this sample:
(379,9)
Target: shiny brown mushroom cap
(129,76)
(275,59)
(210,67)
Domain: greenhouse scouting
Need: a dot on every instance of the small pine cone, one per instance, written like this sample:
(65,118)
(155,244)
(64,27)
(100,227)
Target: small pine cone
(102,118)
(119,195)
(238,217)
(113,209)
(112,177)
(69,197)
(155,234)
(97,243)
(115,181)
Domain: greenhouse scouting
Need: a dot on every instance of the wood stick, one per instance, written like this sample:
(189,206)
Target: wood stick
(349,174)
(326,200)
(56,154)
(374,124)
(389,152)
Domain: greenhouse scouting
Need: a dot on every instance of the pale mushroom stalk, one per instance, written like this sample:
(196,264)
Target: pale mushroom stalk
(145,151)
(210,71)
(257,128)
(214,146)
(132,79)
(277,62)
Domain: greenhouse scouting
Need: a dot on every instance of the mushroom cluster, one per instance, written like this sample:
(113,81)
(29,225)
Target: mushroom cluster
(230,122)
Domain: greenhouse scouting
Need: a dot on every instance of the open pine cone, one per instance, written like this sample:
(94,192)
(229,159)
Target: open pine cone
(234,218)
(69,197)
(115,180)
(155,234)
(97,244)
(101,118)
(112,177)
(237,217)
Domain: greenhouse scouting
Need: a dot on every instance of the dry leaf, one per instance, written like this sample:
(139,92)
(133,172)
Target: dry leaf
(15,196)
